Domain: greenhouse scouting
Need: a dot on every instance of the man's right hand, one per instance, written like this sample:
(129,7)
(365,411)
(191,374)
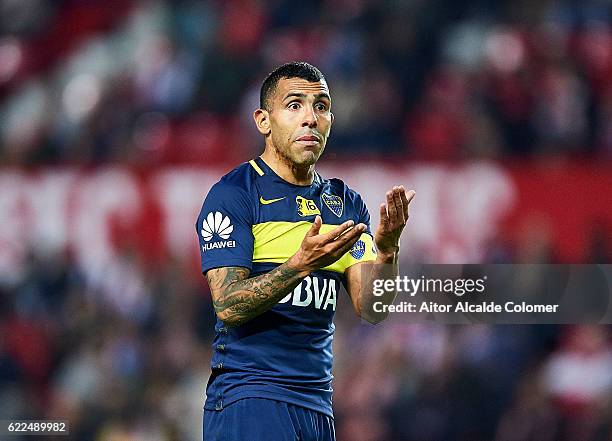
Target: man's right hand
(320,250)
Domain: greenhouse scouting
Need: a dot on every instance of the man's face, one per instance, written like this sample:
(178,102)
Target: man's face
(300,119)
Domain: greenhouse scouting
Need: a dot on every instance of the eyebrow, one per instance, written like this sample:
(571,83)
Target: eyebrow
(303,95)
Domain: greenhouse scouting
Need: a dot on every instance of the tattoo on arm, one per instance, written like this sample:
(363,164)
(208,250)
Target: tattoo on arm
(237,299)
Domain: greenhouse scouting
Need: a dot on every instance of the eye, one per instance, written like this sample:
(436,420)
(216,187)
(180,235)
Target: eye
(293,105)
(321,106)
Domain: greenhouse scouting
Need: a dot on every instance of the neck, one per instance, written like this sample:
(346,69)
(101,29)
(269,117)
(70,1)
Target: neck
(286,169)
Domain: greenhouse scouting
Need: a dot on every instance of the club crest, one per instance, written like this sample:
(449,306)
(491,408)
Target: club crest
(334,203)
(358,249)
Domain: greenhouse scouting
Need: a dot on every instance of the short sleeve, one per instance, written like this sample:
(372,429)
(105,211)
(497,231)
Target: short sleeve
(364,214)
(364,249)
(224,228)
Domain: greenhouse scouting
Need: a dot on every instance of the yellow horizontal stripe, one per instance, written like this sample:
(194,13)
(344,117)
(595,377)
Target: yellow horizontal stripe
(276,242)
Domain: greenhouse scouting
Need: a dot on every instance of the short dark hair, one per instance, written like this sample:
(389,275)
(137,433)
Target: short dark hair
(294,69)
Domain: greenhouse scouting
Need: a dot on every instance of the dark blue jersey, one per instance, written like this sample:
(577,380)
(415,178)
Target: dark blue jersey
(252,218)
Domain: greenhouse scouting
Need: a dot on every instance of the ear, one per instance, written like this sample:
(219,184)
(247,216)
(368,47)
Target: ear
(262,121)
(332,117)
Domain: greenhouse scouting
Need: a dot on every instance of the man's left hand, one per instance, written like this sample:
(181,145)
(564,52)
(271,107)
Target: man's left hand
(393,217)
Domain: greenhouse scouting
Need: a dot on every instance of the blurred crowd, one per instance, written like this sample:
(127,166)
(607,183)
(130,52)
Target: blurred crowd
(158,81)
(124,354)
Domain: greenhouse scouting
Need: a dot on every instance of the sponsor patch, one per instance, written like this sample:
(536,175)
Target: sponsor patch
(216,223)
(313,292)
(306,207)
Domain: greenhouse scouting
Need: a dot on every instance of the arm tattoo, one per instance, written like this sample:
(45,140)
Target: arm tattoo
(237,299)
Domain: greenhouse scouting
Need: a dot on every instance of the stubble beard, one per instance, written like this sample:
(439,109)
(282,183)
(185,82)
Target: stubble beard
(297,159)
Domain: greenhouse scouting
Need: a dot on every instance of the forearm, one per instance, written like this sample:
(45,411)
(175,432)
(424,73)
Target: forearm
(385,267)
(237,298)
(242,299)
(393,217)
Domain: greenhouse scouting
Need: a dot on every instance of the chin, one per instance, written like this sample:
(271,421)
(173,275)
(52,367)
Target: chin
(308,158)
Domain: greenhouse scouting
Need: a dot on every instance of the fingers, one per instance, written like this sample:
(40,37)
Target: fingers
(406,199)
(338,231)
(399,206)
(343,235)
(405,202)
(347,246)
(384,217)
(396,211)
(316,227)
(411,195)
(350,235)
(391,208)
(346,241)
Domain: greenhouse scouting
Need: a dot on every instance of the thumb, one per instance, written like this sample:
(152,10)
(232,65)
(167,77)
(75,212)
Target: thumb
(384,216)
(316,227)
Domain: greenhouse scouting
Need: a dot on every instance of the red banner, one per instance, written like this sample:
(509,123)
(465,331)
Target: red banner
(460,214)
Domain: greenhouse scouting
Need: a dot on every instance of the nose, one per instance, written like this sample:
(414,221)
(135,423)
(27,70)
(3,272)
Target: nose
(310,118)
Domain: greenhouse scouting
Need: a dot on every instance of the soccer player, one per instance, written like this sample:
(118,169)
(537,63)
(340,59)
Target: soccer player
(276,241)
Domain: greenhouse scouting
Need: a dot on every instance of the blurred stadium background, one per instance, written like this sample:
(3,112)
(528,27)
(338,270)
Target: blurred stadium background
(117,116)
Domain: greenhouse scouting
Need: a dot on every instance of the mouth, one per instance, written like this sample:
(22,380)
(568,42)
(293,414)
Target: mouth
(309,140)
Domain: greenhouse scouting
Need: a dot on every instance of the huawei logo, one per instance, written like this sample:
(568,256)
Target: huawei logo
(216,223)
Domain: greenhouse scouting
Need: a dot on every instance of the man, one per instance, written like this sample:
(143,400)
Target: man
(276,242)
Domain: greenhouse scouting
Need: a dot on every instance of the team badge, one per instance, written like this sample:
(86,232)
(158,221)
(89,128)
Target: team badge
(358,249)
(334,203)
(306,207)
